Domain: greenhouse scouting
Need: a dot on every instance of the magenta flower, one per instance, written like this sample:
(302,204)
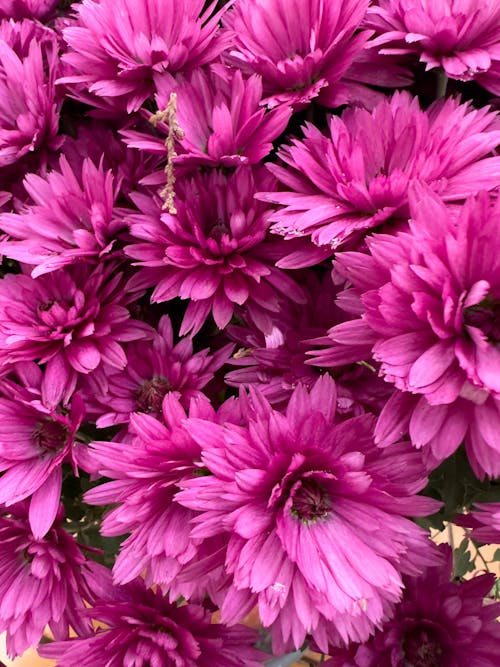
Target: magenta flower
(213,252)
(98,140)
(72,218)
(29,109)
(315,511)
(339,187)
(275,363)
(32,461)
(301,48)
(42,582)
(140,628)
(439,623)
(463,38)
(221,118)
(145,474)
(151,372)
(27,9)
(429,302)
(72,320)
(116,46)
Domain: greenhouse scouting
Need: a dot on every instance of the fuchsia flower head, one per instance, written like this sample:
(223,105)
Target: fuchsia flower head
(44,440)
(429,301)
(140,628)
(27,9)
(343,185)
(463,38)
(438,623)
(72,218)
(116,46)
(275,362)
(221,119)
(72,320)
(301,48)
(42,582)
(29,108)
(151,372)
(214,251)
(145,475)
(316,515)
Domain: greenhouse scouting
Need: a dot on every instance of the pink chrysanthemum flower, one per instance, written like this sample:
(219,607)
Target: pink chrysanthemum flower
(315,511)
(140,628)
(214,251)
(221,119)
(116,46)
(439,623)
(151,372)
(72,320)
(42,582)
(29,109)
(71,218)
(27,9)
(301,48)
(275,363)
(429,303)
(31,461)
(346,184)
(463,38)
(98,140)
(145,474)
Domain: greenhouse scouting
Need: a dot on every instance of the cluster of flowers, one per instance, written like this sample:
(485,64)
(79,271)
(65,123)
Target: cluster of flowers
(250,299)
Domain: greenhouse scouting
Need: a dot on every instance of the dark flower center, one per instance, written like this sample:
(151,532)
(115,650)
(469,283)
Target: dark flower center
(310,501)
(485,316)
(151,394)
(51,435)
(218,229)
(45,307)
(421,648)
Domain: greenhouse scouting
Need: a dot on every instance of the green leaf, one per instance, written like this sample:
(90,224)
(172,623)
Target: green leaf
(462,561)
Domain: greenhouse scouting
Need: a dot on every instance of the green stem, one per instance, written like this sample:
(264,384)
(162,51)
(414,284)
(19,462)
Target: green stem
(442,84)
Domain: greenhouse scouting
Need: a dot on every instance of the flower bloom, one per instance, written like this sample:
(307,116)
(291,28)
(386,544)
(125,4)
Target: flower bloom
(316,516)
(344,185)
(221,119)
(145,474)
(439,623)
(275,362)
(27,9)
(42,582)
(72,319)
(429,303)
(72,218)
(151,372)
(44,439)
(140,628)
(301,48)
(116,46)
(463,38)
(29,110)
(213,252)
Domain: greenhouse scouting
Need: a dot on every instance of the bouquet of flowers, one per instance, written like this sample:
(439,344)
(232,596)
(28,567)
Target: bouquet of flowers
(249,331)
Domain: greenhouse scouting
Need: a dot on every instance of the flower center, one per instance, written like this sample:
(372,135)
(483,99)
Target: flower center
(151,394)
(310,501)
(485,316)
(421,648)
(218,229)
(51,435)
